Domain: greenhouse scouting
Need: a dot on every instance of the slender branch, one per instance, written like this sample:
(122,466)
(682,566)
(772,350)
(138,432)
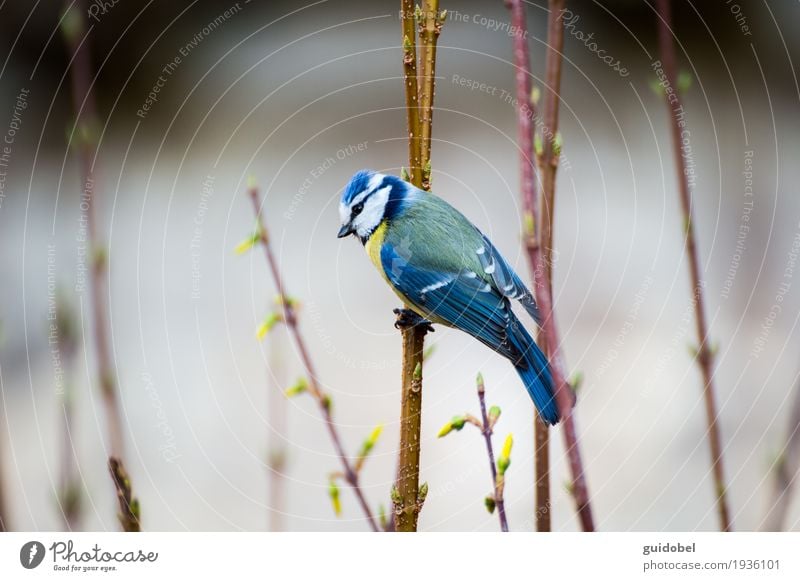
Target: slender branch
(486,429)
(552,100)
(563,394)
(786,470)
(129,510)
(322,399)
(74,29)
(541,433)
(549,165)
(407,14)
(430,26)
(407,495)
(705,357)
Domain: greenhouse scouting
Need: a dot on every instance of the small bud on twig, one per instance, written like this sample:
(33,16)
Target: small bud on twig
(455,424)
(422,494)
(576,381)
(538,148)
(267,324)
(536,94)
(248,243)
(504,461)
(301,386)
(367,446)
(333,492)
(394,494)
(529,225)
(494,415)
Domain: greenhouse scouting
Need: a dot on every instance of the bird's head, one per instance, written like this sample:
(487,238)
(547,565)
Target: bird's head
(368,199)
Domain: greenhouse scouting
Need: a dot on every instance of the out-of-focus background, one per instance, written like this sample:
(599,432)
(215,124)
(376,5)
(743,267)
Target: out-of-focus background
(301,95)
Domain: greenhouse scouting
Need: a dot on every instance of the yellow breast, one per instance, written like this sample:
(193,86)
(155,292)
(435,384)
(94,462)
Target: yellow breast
(373,247)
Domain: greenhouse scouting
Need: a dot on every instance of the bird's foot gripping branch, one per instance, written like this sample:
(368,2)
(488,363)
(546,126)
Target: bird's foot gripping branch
(407,319)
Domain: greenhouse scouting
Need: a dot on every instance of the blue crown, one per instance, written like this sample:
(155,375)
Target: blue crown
(356,185)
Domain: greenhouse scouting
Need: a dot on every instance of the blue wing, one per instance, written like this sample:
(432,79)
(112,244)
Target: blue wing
(468,302)
(460,299)
(505,279)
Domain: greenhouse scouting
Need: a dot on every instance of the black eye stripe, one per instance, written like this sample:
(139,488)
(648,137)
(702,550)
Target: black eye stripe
(358,208)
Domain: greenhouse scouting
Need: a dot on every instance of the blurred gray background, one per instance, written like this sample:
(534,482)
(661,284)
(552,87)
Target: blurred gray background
(286,92)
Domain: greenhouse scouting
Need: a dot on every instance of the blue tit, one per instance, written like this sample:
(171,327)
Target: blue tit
(447,271)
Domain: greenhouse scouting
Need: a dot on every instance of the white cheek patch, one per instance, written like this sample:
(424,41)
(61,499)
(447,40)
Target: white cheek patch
(373,211)
(344,214)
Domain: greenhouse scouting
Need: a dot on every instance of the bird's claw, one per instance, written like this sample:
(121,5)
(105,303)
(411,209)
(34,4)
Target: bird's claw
(406,318)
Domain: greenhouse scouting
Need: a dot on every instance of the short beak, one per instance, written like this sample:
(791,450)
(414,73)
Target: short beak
(345,230)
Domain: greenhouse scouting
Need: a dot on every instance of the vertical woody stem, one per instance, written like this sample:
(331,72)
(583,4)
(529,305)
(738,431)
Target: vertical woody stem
(406,495)
(549,166)
(705,357)
(406,498)
(543,297)
(430,26)
(409,39)
(85,122)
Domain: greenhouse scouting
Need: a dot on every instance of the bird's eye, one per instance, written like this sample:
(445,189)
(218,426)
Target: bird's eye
(357,209)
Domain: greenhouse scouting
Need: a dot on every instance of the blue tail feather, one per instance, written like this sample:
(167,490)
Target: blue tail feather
(535,373)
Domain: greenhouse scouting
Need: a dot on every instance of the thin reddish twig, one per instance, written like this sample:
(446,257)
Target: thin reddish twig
(705,358)
(290,318)
(83,135)
(548,165)
(486,430)
(563,396)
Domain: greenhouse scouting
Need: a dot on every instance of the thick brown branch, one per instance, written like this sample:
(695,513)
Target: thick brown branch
(409,40)
(419,109)
(704,354)
(406,496)
(290,318)
(430,26)
(563,395)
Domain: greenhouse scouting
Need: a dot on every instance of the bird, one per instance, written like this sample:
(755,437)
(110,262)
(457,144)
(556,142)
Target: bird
(447,271)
